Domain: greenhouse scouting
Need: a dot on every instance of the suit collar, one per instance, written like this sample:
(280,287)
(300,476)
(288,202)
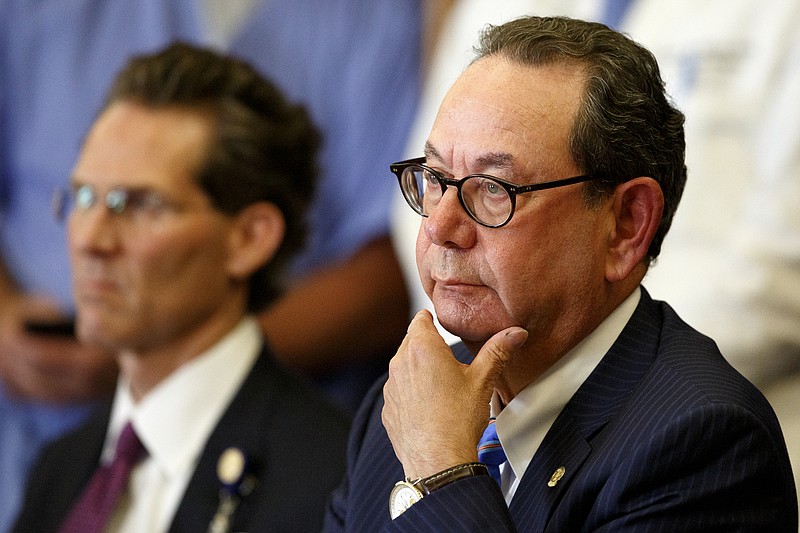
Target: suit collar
(621,369)
(257,398)
(524,422)
(175,419)
(568,443)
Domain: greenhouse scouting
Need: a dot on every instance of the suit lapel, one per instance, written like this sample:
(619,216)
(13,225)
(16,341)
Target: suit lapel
(568,442)
(558,459)
(243,425)
(84,448)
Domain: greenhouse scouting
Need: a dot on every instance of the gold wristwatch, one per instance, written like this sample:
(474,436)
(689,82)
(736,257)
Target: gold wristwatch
(408,492)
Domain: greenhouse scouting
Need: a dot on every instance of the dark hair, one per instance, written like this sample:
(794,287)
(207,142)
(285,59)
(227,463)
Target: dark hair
(627,126)
(262,149)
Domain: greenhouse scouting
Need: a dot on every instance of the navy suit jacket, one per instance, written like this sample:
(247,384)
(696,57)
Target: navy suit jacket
(664,435)
(294,439)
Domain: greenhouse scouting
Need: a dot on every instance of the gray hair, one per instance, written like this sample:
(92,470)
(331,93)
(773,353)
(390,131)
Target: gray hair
(627,126)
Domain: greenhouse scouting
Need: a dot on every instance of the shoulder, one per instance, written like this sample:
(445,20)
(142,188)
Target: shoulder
(273,396)
(664,413)
(81,445)
(294,440)
(677,369)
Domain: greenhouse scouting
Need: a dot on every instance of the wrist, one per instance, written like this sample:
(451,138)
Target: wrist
(408,492)
(418,466)
(449,475)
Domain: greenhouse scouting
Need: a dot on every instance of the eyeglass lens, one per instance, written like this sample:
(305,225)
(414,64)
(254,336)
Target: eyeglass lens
(485,199)
(140,205)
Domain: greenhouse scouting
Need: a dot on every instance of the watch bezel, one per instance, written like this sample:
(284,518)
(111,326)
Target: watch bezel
(423,487)
(401,487)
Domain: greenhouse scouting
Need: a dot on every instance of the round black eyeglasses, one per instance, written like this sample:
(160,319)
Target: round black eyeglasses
(489,201)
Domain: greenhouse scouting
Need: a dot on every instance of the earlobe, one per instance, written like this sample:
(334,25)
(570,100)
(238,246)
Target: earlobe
(259,231)
(638,206)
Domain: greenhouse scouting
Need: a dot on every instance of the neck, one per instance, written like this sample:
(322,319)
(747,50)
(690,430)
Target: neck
(146,367)
(546,346)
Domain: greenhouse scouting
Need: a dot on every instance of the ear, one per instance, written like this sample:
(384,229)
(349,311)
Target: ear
(257,234)
(638,205)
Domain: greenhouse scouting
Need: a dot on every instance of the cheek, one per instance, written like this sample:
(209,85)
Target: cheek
(421,250)
(539,267)
(182,267)
(514,275)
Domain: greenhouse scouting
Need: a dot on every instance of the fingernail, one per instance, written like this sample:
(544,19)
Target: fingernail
(517,337)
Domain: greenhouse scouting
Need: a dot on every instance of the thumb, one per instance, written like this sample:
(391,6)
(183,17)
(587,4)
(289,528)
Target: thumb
(498,350)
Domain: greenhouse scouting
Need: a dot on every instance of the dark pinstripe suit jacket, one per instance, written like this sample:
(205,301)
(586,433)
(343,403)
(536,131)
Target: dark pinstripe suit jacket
(295,441)
(663,436)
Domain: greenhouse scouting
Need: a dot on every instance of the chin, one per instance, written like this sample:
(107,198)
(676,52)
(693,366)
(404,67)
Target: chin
(466,329)
(95,332)
(467,321)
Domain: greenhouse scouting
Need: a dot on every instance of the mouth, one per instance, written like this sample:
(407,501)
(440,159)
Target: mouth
(93,288)
(450,279)
(457,285)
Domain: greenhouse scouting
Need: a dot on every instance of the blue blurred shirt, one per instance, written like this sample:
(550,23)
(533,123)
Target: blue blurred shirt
(355,65)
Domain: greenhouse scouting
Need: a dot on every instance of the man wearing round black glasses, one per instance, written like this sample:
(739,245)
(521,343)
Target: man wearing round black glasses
(596,407)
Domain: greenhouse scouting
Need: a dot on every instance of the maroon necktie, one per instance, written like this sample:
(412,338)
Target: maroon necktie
(92,511)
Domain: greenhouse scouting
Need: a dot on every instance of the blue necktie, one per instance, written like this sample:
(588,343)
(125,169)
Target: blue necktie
(490,451)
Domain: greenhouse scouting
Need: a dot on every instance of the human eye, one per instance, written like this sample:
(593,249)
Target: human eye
(145,203)
(83,197)
(492,189)
(430,181)
(487,189)
(487,199)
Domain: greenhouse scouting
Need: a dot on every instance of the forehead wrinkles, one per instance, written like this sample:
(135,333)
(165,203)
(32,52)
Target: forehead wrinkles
(481,162)
(509,118)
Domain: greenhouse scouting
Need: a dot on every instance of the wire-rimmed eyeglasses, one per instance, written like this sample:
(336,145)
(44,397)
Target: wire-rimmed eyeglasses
(140,205)
(489,201)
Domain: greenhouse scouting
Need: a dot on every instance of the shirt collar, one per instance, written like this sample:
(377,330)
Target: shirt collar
(524,422)
(175,419)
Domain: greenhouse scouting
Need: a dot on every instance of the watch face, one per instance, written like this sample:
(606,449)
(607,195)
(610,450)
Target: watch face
(403,496)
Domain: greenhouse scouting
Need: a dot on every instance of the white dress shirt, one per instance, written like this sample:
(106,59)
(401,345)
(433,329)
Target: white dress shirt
(174,422)
(524,422)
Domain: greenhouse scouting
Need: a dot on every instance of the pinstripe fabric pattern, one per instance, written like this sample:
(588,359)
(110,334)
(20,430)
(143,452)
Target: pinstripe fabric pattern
(663,436)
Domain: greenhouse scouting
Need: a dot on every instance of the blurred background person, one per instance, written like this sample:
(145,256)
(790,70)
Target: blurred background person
(733,68)
(186,202)
(56,61)
(347,305)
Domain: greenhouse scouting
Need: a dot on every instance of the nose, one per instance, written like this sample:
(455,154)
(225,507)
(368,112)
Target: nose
(92,230)
(448,224)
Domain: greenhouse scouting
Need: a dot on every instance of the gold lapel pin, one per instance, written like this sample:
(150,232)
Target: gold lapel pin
(557,475)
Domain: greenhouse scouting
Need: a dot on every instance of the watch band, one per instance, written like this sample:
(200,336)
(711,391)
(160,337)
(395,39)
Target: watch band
(408,492)
(445,477)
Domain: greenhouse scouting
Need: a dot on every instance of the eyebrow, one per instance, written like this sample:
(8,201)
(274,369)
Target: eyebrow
(498,160)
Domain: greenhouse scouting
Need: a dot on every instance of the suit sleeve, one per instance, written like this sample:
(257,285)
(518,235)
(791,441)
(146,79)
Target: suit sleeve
(715,468)
(337,512)
(473,504)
